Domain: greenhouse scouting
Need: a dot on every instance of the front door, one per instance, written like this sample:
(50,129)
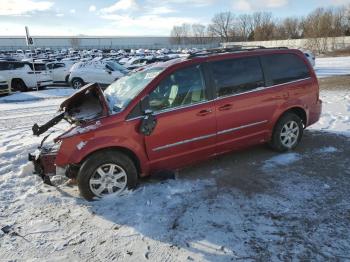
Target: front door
(186,125)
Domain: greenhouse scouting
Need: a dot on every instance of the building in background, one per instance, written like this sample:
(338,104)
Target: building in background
(98,42)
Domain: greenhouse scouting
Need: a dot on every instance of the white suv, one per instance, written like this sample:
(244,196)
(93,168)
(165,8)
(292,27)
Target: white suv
(95,71)
(21,76)
(60,70)
(4,87)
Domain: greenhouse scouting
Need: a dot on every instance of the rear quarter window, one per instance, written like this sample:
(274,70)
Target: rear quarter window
(284,68)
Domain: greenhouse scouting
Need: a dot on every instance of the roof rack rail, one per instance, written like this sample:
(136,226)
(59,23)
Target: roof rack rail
(232,49)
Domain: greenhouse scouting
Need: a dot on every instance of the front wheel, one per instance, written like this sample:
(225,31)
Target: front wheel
(287,133)
(106,172)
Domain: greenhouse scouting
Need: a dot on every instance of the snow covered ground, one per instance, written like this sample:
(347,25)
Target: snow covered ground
(252,205)
(332,66)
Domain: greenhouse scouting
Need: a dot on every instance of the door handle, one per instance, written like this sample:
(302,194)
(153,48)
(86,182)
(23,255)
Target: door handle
(225,107)
(204,112)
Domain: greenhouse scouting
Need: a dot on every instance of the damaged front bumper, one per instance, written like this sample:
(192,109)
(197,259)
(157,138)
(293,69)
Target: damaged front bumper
(44,161)
(44,165)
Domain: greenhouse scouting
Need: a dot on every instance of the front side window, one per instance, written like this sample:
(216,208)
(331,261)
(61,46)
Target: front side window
(237,76)
(283,68)
(183,87)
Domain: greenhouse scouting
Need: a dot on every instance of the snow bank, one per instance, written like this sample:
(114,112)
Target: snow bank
(332,66)
(335,116)
(37,95)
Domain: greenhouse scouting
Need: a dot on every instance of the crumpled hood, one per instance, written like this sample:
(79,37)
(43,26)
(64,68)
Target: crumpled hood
(84,106)
(87,104)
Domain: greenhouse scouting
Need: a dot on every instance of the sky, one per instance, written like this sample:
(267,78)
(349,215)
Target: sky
(133,17)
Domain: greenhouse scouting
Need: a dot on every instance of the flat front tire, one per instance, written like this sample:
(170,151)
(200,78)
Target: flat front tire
(106,172)
(287,133)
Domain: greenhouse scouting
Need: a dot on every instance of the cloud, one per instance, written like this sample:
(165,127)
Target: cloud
(256,5)
(197,3)
(21,7)
(92,8)
(148,24)
(121,5)
(161,10)
(242,5)
(59,15)
(72,11)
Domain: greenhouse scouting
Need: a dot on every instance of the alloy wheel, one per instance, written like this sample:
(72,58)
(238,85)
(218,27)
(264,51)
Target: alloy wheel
(108,179)
(290,134)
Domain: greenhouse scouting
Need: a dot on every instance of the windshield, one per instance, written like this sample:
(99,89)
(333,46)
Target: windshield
(120,93)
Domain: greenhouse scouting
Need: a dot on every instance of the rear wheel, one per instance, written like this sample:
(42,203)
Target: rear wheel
(77,83)
(106,172)
(287,133)
(18,85)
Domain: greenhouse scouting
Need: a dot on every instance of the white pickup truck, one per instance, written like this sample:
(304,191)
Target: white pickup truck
(22,76)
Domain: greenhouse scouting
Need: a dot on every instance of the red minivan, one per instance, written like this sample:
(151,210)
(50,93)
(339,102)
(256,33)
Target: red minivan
(172,114)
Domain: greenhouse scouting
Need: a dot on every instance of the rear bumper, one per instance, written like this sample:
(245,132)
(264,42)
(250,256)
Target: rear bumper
(315,113)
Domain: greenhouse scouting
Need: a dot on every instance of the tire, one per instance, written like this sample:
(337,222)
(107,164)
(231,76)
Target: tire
(287,133)
(77,83)
(18,85)
(90,180)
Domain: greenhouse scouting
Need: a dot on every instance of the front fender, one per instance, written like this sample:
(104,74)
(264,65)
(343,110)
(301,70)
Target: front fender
(74,150)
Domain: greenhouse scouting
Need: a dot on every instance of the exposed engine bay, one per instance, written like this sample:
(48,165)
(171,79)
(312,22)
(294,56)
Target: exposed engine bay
(83,107)
(86,105)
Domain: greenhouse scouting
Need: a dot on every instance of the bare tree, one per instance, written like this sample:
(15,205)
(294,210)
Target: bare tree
(222,25)
(180,34)
(198,33)
(176,35)
(263,26)
(245,26)
(291,27)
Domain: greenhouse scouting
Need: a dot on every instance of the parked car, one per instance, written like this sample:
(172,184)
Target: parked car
(103,73)
(311,57)
(60,70)
(135,62)
(4,86)
(23,76)
(179,112)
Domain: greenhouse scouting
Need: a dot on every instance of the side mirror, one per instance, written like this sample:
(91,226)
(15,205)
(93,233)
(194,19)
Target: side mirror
(149,121)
